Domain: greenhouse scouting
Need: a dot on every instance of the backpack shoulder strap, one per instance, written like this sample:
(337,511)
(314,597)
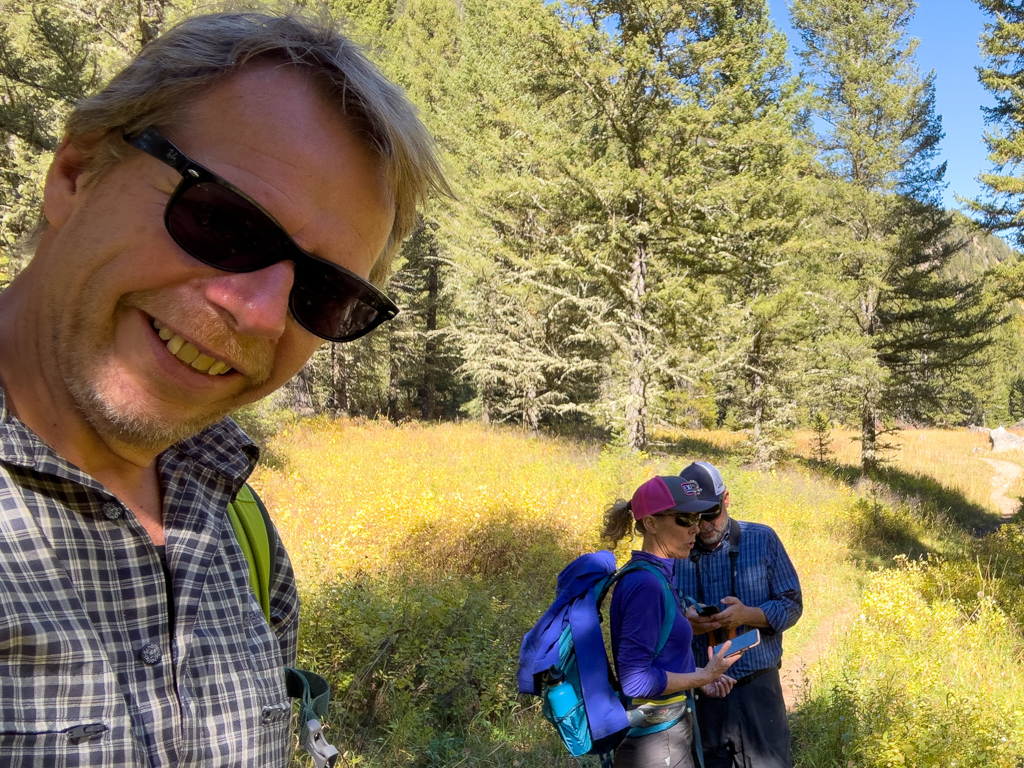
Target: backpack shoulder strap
(258,539)
(255,533)
(670,597)
(734,553)
(734,538)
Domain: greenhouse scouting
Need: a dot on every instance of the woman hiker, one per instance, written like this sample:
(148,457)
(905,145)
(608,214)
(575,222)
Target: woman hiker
(665,512)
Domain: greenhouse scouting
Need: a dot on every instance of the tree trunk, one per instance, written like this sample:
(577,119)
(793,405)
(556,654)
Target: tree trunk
(151,19)
(300,390)
(428,387)
(485,405)
(531,417)
(868,439)
(636,404)
(757,396)
(341,368)
(394,388)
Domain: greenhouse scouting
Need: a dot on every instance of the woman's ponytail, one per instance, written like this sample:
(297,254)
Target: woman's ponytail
(618,519)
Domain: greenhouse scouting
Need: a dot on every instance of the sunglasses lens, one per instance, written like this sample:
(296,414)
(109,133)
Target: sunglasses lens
(334,305)
(224,230)
(712,514)
(687,520)
(219,227)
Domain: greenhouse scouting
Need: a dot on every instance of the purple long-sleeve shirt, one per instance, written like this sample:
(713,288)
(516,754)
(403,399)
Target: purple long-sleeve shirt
(637,615)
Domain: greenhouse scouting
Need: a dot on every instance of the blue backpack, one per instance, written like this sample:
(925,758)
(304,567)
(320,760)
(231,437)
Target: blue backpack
(567,644)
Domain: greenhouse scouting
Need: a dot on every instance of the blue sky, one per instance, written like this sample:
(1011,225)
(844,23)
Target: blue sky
(948,31)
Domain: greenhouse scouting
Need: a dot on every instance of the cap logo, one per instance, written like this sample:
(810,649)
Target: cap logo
(690,488)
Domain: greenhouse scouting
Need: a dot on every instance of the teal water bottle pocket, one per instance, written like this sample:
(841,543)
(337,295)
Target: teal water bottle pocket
(563,707)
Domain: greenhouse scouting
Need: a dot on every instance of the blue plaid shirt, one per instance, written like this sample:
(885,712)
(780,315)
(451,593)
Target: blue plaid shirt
(765,579)
(90,673)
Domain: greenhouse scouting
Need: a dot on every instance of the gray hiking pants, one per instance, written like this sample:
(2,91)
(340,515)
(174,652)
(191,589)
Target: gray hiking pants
(666,749)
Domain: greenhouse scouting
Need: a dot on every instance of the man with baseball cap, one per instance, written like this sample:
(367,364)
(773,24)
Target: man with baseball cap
(743,570)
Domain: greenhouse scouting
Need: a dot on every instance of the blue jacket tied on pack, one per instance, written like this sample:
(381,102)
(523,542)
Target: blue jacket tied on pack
(539,651)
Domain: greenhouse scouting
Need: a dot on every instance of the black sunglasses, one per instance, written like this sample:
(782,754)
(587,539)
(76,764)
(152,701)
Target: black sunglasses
(216,223)
(713,514)
(683,519)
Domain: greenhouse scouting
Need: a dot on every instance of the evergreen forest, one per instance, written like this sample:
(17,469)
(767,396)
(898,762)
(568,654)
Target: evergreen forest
(660,219)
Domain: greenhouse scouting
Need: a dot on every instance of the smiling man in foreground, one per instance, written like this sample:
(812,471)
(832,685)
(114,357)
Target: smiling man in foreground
(220,209)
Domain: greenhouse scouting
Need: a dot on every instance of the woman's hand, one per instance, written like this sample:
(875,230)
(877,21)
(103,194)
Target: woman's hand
(719,662)
(709,675)
(720,688)
(701,624)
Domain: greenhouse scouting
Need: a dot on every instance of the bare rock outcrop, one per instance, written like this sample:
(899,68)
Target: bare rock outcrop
(1005,441)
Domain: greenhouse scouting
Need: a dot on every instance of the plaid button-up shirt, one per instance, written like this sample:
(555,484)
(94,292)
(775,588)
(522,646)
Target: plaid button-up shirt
(765,579)
(90,673)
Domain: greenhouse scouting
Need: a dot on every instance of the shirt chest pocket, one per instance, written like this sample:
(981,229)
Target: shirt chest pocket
(61,702)
(236,676)
(239,652)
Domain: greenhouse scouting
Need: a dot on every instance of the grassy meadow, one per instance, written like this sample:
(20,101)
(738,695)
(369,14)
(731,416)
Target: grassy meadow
(424,553)
(951,457)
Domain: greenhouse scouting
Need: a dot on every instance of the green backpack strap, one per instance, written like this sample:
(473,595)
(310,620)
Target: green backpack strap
(258,539)
(314,694)
(252,529)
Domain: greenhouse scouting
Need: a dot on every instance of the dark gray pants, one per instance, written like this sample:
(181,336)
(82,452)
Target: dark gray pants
(748,728)
(666,749)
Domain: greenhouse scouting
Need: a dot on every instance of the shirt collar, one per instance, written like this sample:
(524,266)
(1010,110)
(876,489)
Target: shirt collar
(223,449)
(666,565)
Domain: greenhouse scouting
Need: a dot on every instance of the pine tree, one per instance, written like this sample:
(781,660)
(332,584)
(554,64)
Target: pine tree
(668,150)
(1001,45)
(903,324)
(52,53)
(821,443)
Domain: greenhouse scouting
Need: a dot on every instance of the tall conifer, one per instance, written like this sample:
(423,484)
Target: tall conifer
(1002,46)
(898,322)
(668,156)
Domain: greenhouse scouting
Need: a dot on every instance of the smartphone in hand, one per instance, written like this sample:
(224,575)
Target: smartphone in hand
(742,643)
(708,610)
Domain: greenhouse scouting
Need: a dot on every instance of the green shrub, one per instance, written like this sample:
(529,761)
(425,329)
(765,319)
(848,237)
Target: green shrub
(424,671)
(919,680)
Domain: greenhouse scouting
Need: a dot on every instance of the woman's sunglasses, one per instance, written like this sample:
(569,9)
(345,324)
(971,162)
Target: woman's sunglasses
(683,519)
(219,225)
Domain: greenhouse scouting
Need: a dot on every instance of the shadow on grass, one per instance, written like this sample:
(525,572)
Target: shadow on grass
(826,729)
(928,498)
(422,655)
(696,449)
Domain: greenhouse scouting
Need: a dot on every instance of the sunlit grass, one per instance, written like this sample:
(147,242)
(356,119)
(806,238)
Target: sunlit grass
(950,456)
(423,553)
(353,498)
(917,682)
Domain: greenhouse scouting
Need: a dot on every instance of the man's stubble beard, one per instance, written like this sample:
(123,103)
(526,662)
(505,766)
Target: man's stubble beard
(115,414)
(108,405)
(713,539)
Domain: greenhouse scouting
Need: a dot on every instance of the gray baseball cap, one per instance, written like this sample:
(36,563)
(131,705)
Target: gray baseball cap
(709,481)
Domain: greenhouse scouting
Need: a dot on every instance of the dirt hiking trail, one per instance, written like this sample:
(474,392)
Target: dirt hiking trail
(1006,473)
(795,666)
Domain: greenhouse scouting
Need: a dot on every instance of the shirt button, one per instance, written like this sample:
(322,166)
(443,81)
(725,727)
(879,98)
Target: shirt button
(149,654)
(112,510)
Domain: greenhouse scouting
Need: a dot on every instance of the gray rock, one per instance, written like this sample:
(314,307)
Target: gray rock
(1005,441)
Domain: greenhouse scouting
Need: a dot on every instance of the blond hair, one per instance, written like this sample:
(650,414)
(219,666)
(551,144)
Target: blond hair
(172,71)
(619,522)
